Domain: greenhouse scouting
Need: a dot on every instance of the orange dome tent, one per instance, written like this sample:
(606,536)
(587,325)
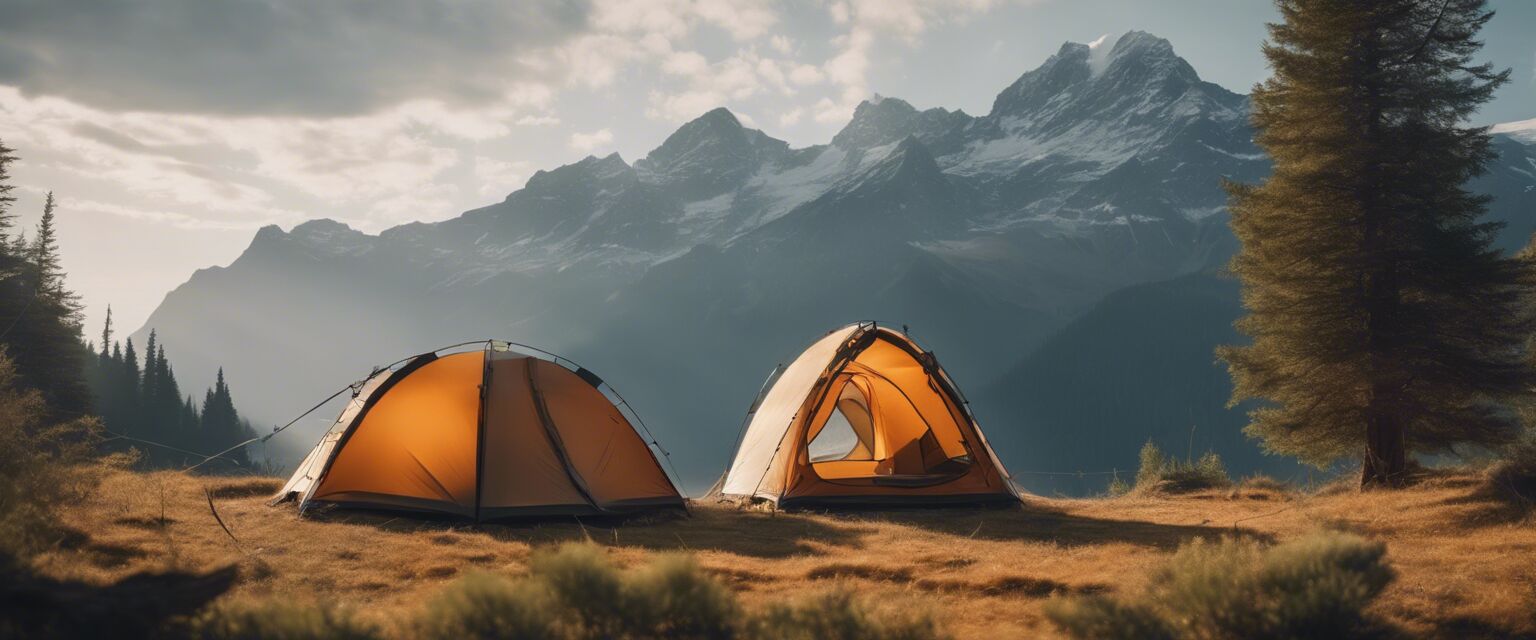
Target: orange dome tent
(862,417)
(484,434)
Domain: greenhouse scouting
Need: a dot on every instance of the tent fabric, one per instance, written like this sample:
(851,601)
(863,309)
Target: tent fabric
(912,438)
(760,443)
(483,435)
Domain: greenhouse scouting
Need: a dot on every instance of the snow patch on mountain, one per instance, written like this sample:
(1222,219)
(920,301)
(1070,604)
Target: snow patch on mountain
(1521,130)
(1098,54)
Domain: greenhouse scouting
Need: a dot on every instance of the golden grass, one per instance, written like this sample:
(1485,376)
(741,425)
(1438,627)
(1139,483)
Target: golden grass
(1466,563)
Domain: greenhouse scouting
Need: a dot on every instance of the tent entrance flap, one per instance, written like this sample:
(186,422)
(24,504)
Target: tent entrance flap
(889,426)
(864,416)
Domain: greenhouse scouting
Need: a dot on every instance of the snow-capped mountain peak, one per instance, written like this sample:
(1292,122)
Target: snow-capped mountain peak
(710,154)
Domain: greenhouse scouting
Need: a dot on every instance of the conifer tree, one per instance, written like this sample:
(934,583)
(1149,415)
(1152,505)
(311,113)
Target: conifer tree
(13,296)
(151,375)
(1383,322)
(7,219)
(43,334)
(128,390)
(221,424)
(106,333)
(49,266)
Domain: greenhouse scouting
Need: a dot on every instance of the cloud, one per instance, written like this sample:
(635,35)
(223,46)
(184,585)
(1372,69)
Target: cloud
(685,63)
(806,74)
(868,22)
(241,172)
(591,141)
(279,57)
(380,112)
(711,85)
(745,20)
(537,121)
(498,177)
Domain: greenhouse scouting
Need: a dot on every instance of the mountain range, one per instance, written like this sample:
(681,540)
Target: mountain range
(1018,245)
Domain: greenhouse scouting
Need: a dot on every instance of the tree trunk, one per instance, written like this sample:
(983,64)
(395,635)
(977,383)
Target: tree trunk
(1386,454)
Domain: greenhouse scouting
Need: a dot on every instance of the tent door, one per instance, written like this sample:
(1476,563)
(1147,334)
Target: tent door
(858,443)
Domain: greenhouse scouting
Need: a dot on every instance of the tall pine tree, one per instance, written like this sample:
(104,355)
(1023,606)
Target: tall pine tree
(7,219)
(43,332)
(1383,322)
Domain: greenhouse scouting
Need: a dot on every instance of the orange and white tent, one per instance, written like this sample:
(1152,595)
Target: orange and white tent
(864,416)
(484,434)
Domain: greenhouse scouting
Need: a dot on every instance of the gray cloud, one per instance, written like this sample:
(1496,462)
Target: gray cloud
(275,57)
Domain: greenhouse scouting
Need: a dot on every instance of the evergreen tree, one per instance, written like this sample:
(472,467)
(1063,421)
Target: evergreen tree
(7,219)
(151,375)
(49,266)
(18,251)
(43,335)
(128,389)
(1383,322)
(106,333)
(13,296)
(221,424)
(167,404)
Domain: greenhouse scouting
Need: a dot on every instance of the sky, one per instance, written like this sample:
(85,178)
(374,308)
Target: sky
(171,130)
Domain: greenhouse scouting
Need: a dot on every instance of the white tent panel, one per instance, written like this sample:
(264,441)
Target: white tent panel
(777,411)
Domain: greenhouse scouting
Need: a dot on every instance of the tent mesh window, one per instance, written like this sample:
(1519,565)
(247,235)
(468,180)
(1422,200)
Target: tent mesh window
(837,441)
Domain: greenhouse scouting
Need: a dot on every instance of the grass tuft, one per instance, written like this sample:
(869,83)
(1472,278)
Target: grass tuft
(274,620)
(1107,618)
(1513,476)
(1160,474)
(838,616)
(483,605)
(575,593)
(1317,586)
(674,598)
(1266,483)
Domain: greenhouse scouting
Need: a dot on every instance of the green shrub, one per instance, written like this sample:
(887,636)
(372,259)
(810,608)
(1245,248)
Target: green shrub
(40,466)
(487,606)
(1152,464)
(1514,474)
(1118,486)
(674,598)
(1315,587)
(1101,617)
(575,593)
(278,621)
(838,616)
(1159,473)
(1265,483)
(588,590)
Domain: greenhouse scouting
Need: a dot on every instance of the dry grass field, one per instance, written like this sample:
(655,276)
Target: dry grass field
(1466,563)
